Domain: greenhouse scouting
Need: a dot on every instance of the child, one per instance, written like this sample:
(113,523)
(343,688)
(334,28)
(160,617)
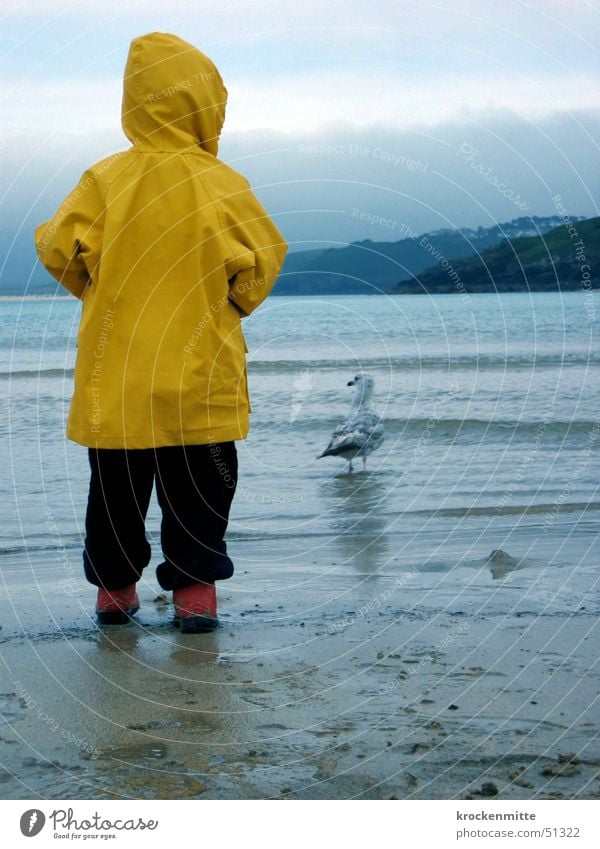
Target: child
(168,249)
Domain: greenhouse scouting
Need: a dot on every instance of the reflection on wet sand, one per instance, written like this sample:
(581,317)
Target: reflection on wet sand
(354,504)
(325,692)
(162,706)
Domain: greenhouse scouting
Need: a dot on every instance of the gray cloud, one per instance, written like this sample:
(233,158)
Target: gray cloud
(344,183)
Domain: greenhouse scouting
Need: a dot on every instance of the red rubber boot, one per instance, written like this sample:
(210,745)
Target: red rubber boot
(116,607)
(196,608)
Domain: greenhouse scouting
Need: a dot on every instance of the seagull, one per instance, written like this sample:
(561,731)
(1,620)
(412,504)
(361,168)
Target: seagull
(362,432)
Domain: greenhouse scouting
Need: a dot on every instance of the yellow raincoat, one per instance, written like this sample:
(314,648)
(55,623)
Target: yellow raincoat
(168,248)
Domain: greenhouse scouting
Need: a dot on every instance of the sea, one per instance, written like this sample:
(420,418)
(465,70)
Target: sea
(491,407)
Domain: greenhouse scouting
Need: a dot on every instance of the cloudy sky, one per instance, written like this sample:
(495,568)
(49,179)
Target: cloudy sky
(352,120)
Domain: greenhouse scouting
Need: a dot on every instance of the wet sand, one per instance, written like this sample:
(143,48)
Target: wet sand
(445,673)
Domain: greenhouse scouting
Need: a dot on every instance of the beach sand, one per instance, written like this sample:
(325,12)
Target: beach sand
(445,674)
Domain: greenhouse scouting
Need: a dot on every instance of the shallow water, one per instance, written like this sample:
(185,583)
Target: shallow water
(490,405)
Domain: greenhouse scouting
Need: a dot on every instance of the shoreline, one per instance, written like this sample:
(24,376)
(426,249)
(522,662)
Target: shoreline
(391,293)
(444,671)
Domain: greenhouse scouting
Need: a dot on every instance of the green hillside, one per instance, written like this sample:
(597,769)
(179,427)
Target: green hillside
(559,260)
(369,267)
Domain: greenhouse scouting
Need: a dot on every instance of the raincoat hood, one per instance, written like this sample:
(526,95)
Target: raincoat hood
(173,95)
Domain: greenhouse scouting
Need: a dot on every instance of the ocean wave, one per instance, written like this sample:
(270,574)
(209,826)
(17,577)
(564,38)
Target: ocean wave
(36,373)
(73,542)
(393,362)
(510,510)
(437,429)
(465,361)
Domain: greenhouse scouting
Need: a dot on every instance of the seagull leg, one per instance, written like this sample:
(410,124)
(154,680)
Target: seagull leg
(364,464)
(350,469)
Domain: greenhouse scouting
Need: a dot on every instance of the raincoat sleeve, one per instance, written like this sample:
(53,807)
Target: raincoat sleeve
(69,244)
(256,252)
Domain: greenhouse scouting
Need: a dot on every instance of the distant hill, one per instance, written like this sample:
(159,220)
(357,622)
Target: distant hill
(549,263)
(365,267)
(373,267)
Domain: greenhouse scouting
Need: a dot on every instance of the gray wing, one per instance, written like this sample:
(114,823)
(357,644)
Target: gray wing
(362,431)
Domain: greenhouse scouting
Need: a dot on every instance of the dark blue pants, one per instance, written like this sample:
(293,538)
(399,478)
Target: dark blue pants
(195,485)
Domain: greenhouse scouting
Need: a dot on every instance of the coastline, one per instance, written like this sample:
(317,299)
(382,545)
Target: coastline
(390,292)
(42,297)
